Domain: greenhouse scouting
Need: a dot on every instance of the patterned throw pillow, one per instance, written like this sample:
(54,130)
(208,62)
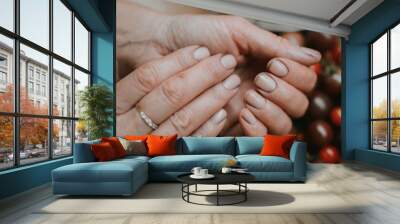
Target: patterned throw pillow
(134,147)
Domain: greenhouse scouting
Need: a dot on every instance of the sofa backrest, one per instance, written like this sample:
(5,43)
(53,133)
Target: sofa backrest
(206,145)
(83,153)
(249,145)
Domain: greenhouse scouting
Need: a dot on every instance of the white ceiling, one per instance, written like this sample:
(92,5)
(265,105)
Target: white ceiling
(324,16)
(321,9)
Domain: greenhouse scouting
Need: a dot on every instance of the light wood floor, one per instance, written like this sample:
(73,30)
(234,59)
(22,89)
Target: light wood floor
(379,189)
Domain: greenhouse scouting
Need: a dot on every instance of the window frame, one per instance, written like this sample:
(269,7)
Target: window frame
(388,74)
(16,115)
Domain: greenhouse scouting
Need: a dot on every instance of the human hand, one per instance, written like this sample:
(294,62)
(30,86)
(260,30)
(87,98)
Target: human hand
(234,35)
(156,35)
(184,92)
(279,96)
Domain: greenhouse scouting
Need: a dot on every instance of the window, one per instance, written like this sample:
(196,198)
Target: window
(62,29)
(62,74)
(44,91)
(7,14)
(44,125)
(30,87)
(38,74)
(385,91)
(37,89)
(81,45)
(3,61)
(6,73)
(3,78)
(62,137)
(30,72)
(34,21)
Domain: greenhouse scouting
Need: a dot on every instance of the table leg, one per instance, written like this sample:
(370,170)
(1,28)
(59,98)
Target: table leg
(188,189)
(217,194)
(195,188)
(245,193)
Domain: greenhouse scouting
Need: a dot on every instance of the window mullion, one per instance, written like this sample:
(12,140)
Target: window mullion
(50,81)
(389,101)
(73,82)
(371,137)
(16,70)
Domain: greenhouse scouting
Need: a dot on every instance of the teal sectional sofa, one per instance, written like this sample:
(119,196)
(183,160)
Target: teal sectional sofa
(125,176)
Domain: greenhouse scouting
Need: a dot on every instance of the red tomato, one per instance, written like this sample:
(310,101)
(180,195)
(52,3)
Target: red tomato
(316,68)
(336,116)
(329,154)
(337,52)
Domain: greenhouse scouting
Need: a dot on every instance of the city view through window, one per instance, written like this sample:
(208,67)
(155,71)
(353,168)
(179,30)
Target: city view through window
(385,91)
(43,69)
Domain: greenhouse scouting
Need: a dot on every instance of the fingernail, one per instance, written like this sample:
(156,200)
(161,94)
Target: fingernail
(219,116)
(228,61)
(248,116)
(277,67)
(311,53)
(265,82)
(255,99)
(201,53)
(232,82)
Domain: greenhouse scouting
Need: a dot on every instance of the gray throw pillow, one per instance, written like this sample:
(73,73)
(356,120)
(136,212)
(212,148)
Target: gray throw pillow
(134,147)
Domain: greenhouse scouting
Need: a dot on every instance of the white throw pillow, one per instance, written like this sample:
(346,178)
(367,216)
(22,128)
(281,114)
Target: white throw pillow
(134,147)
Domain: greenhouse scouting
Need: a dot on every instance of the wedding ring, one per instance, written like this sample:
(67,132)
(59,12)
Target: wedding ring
(147,120)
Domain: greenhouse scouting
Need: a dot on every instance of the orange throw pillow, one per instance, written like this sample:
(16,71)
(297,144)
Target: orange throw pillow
(116,145)
(275,145)
(136,137)
(161,145)
(103,152)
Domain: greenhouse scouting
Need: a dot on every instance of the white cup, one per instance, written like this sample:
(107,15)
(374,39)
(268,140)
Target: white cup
(203,172)
(196,171)
(226,170)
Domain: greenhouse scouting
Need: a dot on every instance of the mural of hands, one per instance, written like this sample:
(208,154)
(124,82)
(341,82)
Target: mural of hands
(180,90)
(184,92)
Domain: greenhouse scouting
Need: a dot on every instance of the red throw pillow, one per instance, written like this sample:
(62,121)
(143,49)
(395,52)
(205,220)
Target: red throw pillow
(275,145)
(161,145)
(103,152)
(116,145)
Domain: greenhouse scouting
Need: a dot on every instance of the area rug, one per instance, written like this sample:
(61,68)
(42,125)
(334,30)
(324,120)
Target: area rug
(166,198)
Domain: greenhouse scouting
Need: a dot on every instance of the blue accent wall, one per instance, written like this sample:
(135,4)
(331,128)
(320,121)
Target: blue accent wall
(355,89)
(24,178)
(99,16)
(103,52)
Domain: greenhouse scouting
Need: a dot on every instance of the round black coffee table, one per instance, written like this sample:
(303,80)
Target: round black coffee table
(238,179)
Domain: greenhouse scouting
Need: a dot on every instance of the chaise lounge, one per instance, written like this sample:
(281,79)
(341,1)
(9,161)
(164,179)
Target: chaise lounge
(125,176)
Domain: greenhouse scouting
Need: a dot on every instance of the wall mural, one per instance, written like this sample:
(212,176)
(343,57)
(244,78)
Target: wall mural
(197,73)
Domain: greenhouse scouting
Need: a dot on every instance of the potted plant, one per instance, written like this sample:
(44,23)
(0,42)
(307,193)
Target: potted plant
(96,102)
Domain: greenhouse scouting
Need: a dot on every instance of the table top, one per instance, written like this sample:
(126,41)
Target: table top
(220,178)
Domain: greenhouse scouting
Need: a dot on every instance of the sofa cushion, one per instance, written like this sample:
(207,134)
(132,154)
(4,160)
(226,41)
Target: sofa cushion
(133,158)
(185,163)
(249,145)
(257,163)
(206,145)
(112,171)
